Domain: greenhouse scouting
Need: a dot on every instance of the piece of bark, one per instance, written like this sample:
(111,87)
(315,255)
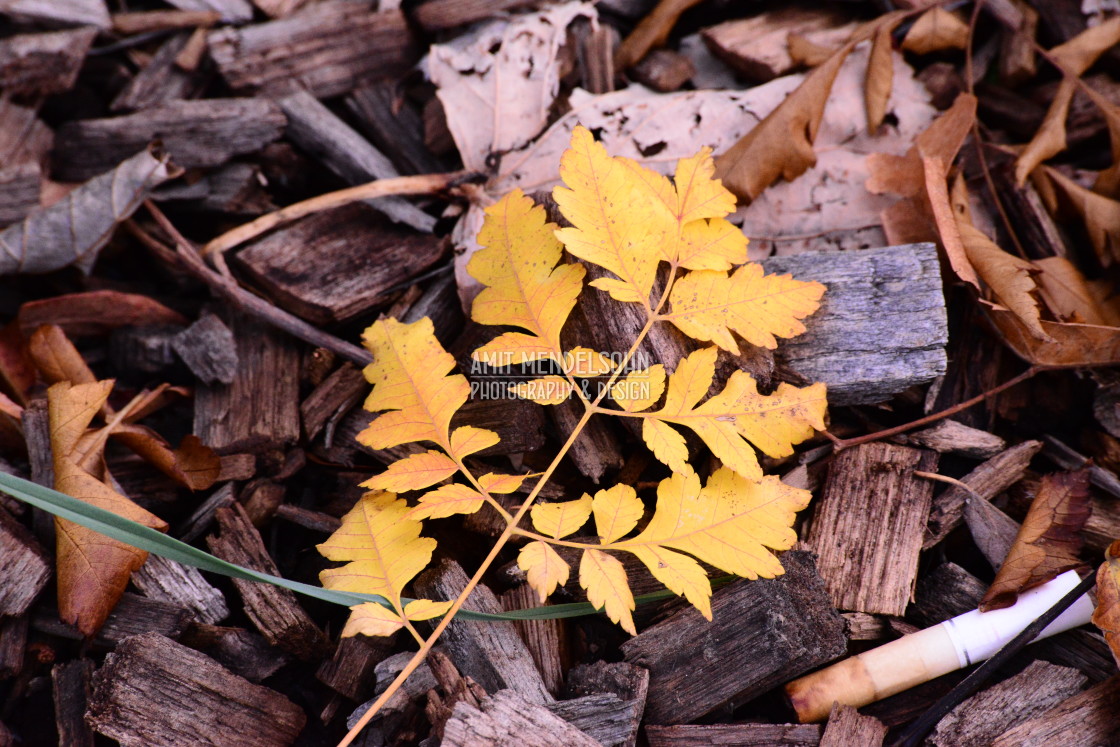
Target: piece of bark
(490,653)
(541,637)
(145,350)
(344,388)
(846,726)
(986,715)
(66,12)
(439,15)
(606,718)
(350,671)
(763,633)
(236,189)
(453,689)
(992,530)
(23,136)
(739,735)
(181,585)
(946,591)
(236,11)
(613,719)
(153,692)
(274,611)
(160,80)
(40,454)
(19,191)
(865,627)
(133,615)
(881,327)
(237,467)
(148,21)
(1085,720)
(328,49)
(596,50)
(1069,459)
(71,683)
(952,437)
(334,265)
(319,133)
(241,651)
(867,526)
(393,126)
(316,521)
(758,48)
(988,480)
(1037,230)
(25,568)
(196,134)
(440,303)
(45,63)
(209,350)
(663,70)
(506,719)
(199,520)
(259,409)
(13,645)
(402,706)
(260,499)
(1085,651)
(596,450)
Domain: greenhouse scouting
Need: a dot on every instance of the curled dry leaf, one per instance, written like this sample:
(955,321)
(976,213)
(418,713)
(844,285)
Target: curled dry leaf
(1072,298)
(1068,345)
(1107,614)
(96,312)
(652,32)
(73,230)
(934,30)
(93,570)
(880,74)
(1101,214)
(1048,540)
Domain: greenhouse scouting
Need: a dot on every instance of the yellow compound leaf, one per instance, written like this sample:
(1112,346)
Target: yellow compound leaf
(547,390)
(524,286)
(617,511)
(447,500)
(410,379)
(381,546)
(639,390)
(501,484)
(374,619)
(709,305)
(544,568)
(414,472)
(604,579)
(561,519)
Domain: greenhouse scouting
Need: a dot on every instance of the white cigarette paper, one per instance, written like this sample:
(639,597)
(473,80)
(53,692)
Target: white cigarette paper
(922,656)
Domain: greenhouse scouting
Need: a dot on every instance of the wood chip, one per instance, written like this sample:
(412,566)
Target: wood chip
(25,568)
(44,63)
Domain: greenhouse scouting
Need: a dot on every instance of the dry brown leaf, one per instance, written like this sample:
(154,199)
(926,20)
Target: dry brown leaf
(73,230)
(1048,540)
(93,570)
(1069,296)
(17,372)
(1107,614)
(56,357)
(1108,181)
(193,464)
(934,30)
(807,53)
(96,312)
(948,231)
(880,72)
(782,144)
(1069,346)
(652,32)
(1101,215)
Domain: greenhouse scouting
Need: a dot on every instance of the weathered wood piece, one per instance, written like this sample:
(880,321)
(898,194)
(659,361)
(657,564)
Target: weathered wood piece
(865,627)
(846,726)
(236,11)
(334,265)
(739,735)
(199,521)
(25,567)
(316,521)
(1067,458)
(153,692)
(867,527)
(182,585)
(160,81)
(19,191)
(209,350)
(596,450)
(274,611)
(23,136)
(1085,651)
(13,644)
(259,409)
(350,671)
(67,12)
(988,480)
(605,717)
(946,591)
(196,134)
(758,48)
(952,437)
(763,633)
(43,63)
(318,132)
(241,651)
(345,388)
(328,49)
(541,637)
(663,70)
(492,654)
(71,682)
(402,706)
(986,715)
(614,720)
(1085,720)
(235,189)
(596,50)
(506,719)
(881,327)
(392,126)
(133,615)
(439,15)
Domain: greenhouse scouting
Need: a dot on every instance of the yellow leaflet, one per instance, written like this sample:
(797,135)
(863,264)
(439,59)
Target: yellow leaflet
(680,574)
(604,578)
(467,440)
(617,511)
(501,484)
(414,472)
(373,619)
(561,519)
(524,286)
(381,546)
(639,389)
(773,423)
(547,390)
(447,500)
(410,378)
(584,362)
(709,305)
(544,568)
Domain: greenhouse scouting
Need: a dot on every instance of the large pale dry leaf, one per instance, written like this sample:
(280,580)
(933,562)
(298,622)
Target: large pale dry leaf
(383,550)
(652,32)
(1048,541)
(1101,215)
(73,230)
(497,84)
(936,29)
(93,570)
(1068,345)
(880,74)
(1069,296)
(1107,614)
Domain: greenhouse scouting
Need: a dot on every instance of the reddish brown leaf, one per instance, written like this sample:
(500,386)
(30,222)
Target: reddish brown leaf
(1107,614)
(193,464)
(651,32)
(56,357)
(1048,541)
(17,373)
(96,312)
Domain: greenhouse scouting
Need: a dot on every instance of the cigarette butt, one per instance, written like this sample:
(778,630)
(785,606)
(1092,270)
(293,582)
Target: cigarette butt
(922,656)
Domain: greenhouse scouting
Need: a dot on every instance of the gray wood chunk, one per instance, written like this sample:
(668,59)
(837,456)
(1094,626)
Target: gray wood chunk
(606,718)
(69,12)
(946,591)
(25,567)
(505,719)
(847,727)
(43,63)
(208,349)
(70,683)
(763,633)
(986,715)
(881,327)
(166,580)
(739,735)
(1085,720)
(612,721)
(153,692)
(19,191)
